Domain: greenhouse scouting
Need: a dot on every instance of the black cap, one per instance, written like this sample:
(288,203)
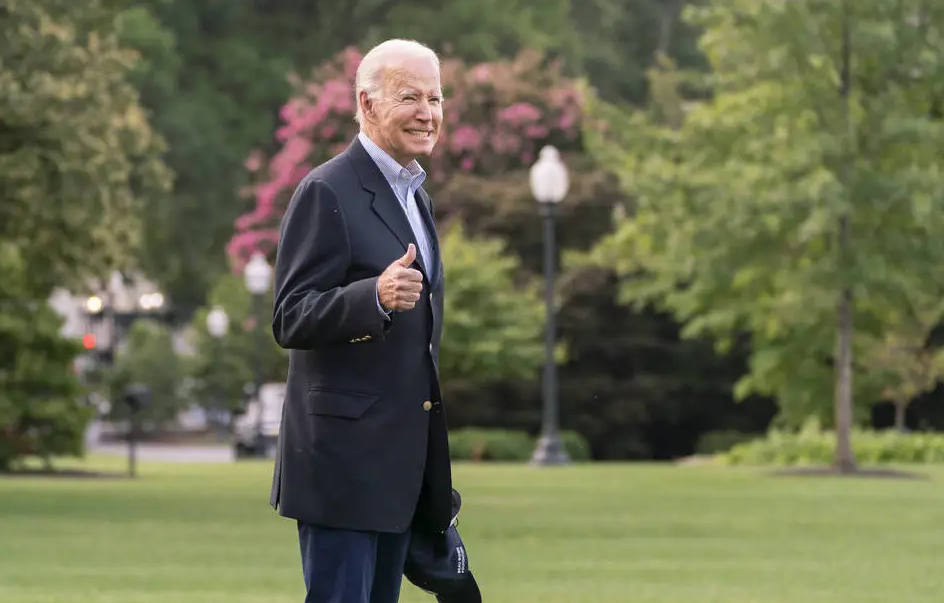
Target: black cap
(439,564)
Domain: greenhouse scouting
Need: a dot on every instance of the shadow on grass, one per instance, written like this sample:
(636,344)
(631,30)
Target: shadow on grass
(861,472)
(65,473)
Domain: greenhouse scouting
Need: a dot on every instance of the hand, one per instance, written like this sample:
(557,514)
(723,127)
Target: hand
(399,286)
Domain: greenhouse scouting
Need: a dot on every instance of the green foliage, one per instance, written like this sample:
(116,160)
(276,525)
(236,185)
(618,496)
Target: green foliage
(221,368)
(484,30)
(149,359)
(213,75)
(76,153)
(41,407)
(493,326)
(620,38)
(813,446)
(504,445)
(737,205)
(715,442)
(212,93)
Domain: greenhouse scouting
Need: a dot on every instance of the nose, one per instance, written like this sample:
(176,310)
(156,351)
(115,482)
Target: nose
(424,111)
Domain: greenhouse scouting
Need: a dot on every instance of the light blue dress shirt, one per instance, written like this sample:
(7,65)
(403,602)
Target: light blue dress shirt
(404,181)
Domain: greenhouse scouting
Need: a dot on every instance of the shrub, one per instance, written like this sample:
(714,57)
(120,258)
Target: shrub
(716,442)
(502,445)
(813,446)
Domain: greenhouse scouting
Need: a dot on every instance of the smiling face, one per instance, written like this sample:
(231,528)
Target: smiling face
(404,120)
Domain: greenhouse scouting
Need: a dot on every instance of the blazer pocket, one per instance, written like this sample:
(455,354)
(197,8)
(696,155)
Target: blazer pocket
(335,403)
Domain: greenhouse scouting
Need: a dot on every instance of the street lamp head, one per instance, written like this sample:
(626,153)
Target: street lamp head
(258,274)
(94,304)
(151,301)
(549,181)
(217,322)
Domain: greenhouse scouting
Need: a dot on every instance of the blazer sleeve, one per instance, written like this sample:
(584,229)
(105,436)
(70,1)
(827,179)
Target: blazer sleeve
(313,304)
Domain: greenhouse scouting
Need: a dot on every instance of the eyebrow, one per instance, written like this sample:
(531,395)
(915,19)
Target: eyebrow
(405,91)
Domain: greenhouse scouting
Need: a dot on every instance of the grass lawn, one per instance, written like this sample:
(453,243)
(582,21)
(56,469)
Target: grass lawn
(600,534)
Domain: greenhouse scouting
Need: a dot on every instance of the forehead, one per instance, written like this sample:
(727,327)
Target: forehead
(419,73)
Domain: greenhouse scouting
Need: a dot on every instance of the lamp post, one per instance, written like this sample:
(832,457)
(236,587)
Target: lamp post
(217,325)
(549,184)
(257,276)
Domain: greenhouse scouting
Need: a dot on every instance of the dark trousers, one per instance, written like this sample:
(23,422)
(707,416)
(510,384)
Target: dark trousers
(344,566)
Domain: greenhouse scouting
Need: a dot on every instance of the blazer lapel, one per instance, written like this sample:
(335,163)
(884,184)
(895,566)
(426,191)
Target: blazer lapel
(389,210)
(426,211)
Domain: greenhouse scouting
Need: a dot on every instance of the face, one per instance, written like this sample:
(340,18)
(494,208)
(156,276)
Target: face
(405,120)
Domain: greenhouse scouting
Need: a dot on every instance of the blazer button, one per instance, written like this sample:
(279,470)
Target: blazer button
(427,405)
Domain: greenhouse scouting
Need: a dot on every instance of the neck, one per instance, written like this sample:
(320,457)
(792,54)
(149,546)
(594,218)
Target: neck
(378,140)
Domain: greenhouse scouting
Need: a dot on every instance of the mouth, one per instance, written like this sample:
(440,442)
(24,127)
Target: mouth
(420,134)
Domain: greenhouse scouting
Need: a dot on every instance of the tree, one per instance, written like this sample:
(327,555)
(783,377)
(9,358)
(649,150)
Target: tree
(619,39)
(76,153)
(40,409)
(148,359)
(222,368)
(76,159)
(902,359)
(800,199)
(213,74)
(493,325)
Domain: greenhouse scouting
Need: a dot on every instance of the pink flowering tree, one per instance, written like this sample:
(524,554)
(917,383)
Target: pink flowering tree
(497,117)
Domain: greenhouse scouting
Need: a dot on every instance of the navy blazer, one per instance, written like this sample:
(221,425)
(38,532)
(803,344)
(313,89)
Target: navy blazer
(363,442)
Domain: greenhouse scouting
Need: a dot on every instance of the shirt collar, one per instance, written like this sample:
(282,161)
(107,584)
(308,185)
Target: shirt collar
(397,175)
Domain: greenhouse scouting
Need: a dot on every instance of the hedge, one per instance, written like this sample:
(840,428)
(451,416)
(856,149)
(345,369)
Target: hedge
(475,444)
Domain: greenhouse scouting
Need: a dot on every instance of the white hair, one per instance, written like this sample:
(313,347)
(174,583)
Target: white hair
(370,72)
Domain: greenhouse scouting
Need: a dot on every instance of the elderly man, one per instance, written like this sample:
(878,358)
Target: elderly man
(363,455)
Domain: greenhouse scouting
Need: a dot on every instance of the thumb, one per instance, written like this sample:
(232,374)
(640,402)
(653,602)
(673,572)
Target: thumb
(407,260)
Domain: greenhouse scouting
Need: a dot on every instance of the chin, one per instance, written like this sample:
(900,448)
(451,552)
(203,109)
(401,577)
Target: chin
(421,148)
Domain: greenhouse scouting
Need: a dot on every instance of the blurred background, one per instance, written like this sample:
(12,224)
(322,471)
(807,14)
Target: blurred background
(746,266)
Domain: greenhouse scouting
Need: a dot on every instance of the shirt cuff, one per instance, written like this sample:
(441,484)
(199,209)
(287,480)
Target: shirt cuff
(384,312)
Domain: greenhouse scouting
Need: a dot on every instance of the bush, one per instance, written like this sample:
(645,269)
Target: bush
(813,446)
(716,442)
(475,444)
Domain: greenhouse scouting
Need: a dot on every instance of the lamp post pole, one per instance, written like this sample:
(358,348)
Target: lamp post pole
(549,183)
(257,276)
(217,325)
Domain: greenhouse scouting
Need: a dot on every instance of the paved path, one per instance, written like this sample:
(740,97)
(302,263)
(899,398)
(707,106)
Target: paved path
(170,452)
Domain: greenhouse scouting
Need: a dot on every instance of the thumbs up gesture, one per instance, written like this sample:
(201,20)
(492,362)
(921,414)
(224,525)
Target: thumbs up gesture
(399,286)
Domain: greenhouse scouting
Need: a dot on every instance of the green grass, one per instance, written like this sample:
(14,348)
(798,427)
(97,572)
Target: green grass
(600,534)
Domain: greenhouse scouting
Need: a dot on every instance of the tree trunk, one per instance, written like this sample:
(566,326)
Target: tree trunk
(845,460)
(900,407)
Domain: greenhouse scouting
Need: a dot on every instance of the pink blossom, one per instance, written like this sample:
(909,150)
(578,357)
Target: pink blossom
(242,246)
(352,59)
(567,120)
(519,113)
(481,73)
(494,114)
(465,138)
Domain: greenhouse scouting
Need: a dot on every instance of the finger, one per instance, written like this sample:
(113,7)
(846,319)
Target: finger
(407,260)
(414,275)
(410,286)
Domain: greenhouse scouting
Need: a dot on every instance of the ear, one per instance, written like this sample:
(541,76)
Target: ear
(366,103)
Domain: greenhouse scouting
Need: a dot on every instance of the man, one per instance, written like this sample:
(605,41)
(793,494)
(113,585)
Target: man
(363,456)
